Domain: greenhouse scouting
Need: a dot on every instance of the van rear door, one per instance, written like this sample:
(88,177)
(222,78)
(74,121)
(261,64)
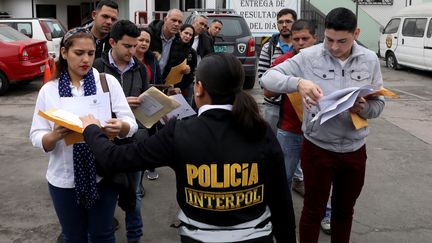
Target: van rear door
(409,50)
(428,47)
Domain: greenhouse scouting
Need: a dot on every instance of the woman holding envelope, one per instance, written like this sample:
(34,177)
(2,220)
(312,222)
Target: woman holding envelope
(230,173)
(83,203)
(188,55)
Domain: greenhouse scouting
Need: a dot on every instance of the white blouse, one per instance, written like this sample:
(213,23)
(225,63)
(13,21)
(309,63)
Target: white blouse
(60,171)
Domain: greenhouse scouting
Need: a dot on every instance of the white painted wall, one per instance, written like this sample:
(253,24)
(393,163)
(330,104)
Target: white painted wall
(18,8)
(23,8)
(136,6)
(383,13)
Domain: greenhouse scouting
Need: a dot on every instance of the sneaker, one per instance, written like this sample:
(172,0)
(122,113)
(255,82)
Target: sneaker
(152,175)
(325,222)
(298,186)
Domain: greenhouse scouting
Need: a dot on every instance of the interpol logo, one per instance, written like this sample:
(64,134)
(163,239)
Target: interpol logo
(241,48)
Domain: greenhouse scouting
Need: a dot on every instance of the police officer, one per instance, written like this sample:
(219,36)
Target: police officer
(231,181)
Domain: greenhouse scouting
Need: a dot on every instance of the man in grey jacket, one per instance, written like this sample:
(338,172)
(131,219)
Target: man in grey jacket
(335,151)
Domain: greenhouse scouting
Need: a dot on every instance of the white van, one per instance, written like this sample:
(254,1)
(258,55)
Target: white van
(49,30)
(407,38)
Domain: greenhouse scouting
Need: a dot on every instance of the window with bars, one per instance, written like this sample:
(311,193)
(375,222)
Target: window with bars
(374,2)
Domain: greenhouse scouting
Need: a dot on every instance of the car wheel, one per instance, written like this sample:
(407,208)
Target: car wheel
(249,82)
(4,84)
(391,61)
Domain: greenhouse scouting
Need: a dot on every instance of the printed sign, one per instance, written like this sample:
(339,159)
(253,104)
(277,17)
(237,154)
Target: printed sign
(261,15)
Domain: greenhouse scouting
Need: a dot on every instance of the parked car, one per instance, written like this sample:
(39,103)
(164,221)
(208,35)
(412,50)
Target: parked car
(21,58)
(235,38)
(407,38)
(47,29)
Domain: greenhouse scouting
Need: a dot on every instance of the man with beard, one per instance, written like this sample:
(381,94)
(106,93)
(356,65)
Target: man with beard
(278,45)
(214,29)
(132,75)
(104,16)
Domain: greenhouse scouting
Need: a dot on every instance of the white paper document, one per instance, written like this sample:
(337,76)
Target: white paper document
(150,105)
(340,101)
(98,105)
(184,110)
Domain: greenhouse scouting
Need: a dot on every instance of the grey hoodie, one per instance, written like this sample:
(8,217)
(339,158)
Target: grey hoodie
(317,64)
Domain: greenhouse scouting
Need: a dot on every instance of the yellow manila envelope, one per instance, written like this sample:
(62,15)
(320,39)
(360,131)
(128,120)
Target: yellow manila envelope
(154,105)
(67,120)
(176,74)
(296,102)
(360,122)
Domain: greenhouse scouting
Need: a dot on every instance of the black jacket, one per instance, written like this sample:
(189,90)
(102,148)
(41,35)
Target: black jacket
(205,45)
(156,75)
(211,157)
(102,45)
(178,51)
(178,54)
(133,82)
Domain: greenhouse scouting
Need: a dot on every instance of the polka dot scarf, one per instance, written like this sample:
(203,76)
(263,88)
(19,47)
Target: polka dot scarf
(83,158)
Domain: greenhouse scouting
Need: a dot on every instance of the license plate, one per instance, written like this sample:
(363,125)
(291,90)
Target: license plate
(220,48)
(42,68)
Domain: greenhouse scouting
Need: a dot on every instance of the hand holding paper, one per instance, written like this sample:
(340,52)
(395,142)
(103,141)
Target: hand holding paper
(112,128)
(176,74)
(310,92)
(344,99)
(88,120)
(154,105)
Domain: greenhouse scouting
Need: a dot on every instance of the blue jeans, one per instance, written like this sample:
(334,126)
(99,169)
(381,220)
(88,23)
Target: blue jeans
(80,225)
(133,220)
(271,115)
(291,145)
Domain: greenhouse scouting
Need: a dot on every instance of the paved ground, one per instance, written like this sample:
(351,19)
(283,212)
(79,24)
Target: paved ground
(395,205)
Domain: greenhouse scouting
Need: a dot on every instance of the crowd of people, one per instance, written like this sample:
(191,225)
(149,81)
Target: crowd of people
(235,169)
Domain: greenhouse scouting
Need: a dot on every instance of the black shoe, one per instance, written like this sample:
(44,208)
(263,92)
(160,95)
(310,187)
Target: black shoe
(116,224)
(60,238)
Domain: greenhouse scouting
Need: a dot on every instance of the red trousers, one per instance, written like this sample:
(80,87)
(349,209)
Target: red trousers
(321,169)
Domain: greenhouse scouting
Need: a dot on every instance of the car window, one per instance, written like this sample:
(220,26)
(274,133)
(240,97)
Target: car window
(414,27)
(392,26)
(429,31)
(232,26)
(56,29)
(7,34)
(25,28)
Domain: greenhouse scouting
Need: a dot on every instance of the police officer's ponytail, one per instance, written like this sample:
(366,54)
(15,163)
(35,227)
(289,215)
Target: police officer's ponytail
(222,76)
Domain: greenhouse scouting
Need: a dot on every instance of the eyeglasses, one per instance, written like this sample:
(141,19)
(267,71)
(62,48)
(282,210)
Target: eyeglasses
(287,21)
(73,32)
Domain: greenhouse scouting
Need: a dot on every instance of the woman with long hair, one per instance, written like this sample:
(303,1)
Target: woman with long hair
(83,203)
(187,33)
(230,172)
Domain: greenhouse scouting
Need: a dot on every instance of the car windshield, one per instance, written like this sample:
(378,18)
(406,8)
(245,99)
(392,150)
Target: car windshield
(232,26)
(7,34)
(56,29)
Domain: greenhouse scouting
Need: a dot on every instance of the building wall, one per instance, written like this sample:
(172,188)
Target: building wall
(383,13)
(369,27)
(23,8)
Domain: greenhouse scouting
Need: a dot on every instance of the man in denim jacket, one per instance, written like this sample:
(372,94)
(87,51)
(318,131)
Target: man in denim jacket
(335,151)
